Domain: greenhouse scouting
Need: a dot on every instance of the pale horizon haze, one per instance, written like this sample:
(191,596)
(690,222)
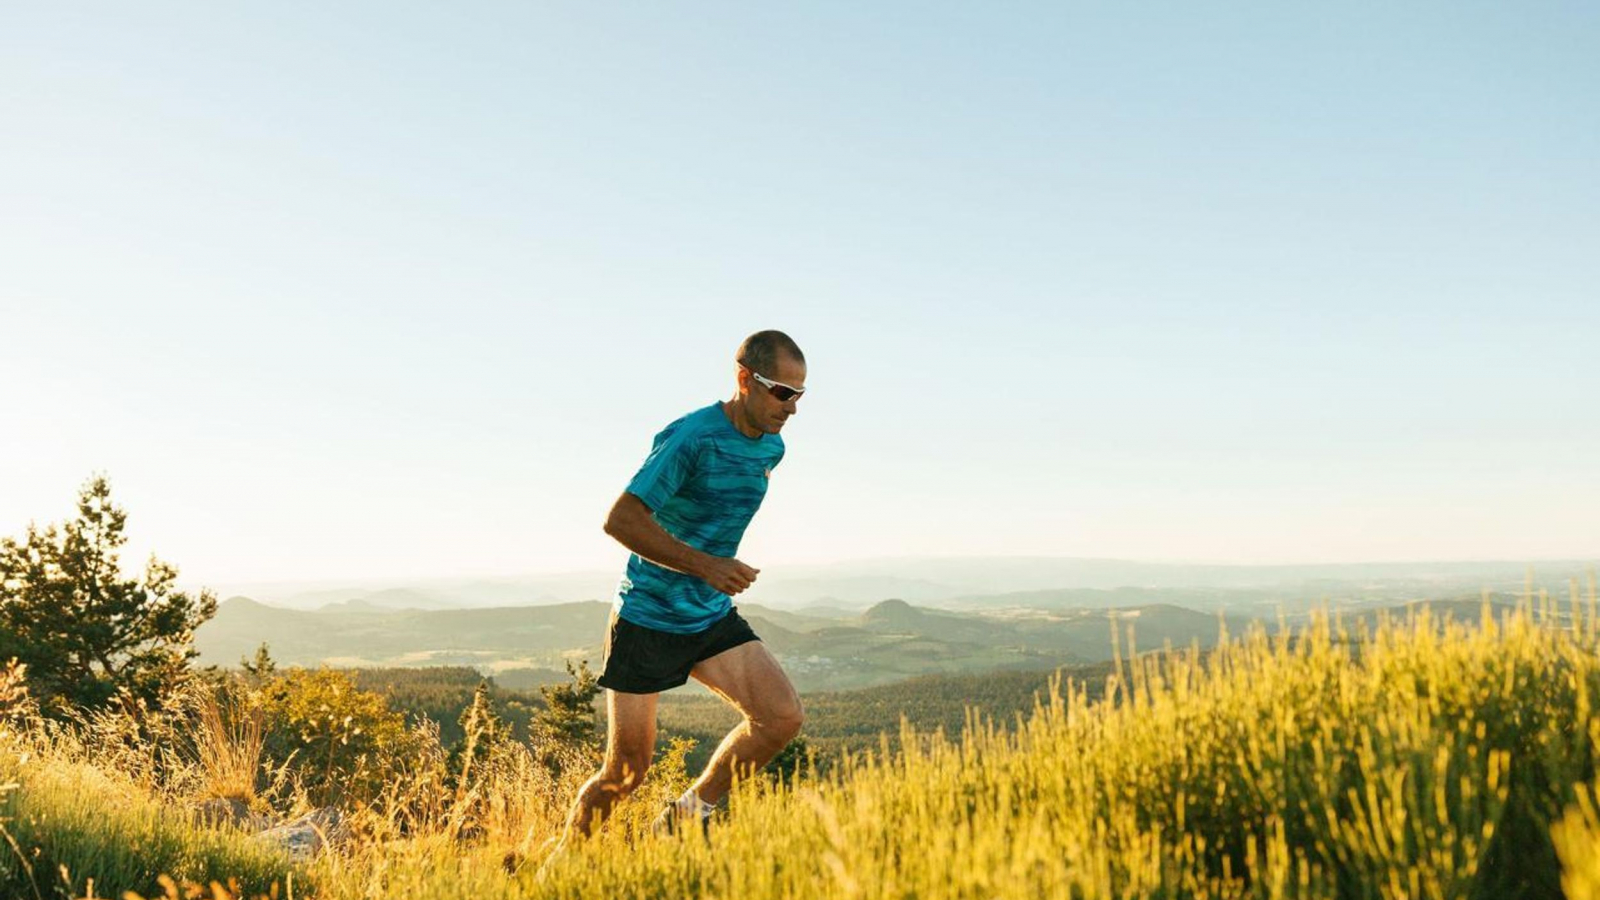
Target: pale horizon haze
(398,291)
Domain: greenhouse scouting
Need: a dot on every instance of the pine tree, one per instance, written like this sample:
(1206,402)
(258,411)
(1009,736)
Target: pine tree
(482,732)
(263,666)
(566,730)
(88,635)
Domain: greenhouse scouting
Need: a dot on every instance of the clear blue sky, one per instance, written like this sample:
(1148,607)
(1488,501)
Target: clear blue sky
(399,290)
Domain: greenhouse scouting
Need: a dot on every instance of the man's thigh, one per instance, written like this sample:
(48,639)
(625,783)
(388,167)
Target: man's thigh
(749,677)
(630,728)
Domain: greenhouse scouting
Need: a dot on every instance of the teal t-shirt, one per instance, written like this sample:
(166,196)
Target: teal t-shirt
(704,479)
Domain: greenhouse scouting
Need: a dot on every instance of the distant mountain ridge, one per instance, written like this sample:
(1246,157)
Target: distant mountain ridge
(962,583)
(344,635)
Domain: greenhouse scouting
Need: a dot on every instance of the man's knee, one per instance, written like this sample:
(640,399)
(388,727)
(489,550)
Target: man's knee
(782,722)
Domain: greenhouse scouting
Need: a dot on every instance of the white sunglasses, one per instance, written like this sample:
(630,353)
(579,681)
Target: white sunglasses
(778,389)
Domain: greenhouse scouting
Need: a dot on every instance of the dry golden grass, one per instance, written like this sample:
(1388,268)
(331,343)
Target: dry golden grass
(1427,759)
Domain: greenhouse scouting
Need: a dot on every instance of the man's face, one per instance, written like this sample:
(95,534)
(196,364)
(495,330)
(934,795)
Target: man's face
(767,412)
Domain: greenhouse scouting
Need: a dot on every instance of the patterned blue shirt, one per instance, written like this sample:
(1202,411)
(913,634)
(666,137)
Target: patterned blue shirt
(704,480)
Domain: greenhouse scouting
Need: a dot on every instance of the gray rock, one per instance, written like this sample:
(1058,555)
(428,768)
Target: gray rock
(305,837)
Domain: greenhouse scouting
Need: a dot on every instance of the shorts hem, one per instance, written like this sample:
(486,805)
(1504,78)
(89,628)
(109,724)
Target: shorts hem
(738,641)
(627,686)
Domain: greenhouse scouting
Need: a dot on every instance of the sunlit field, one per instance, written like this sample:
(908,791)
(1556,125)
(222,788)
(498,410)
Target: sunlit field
(1425,759)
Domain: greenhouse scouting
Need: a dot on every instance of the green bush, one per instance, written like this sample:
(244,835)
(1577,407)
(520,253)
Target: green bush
(341,743)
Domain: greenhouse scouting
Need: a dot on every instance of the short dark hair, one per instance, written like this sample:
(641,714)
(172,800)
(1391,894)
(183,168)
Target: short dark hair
(759,352)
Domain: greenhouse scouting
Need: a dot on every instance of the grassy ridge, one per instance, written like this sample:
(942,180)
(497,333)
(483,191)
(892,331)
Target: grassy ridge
(1423,760)
(1431,764)
(73,829)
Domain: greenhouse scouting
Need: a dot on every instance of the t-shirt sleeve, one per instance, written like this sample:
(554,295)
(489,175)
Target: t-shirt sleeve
(670,463)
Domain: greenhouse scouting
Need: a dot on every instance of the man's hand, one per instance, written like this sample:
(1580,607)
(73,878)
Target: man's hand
(729,576)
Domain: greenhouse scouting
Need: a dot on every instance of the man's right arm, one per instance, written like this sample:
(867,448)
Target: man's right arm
(634,527)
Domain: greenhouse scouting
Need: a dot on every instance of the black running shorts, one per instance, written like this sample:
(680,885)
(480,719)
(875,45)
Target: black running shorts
(642,660)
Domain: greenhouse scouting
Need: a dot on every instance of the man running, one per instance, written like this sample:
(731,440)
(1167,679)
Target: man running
(683,515)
